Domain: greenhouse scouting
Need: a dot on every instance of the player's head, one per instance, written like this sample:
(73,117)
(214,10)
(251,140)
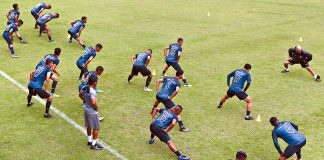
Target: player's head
(98,47)
(56,15)
(178,109)
(19,22)
(57,51)
(247,67)
(298,49)
(180,41)
(48,6)
(84,19)
(241,155)
(15,6)
(99,70)
(49,62)
(179,74)
(93,81)
(274,121)
(149,51)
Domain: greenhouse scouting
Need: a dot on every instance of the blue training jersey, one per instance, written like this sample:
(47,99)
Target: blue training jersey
(239,78)
(39,77)
(77,26)
(10,29)
(45,18)
(165,118)
(89,52)
(174,50)
(169,86)
(53,57)
(90,74)
(141,58)
(288,133)
(39,7)
(12,14)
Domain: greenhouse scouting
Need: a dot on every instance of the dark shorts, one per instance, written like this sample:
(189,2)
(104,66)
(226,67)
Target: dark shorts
(7,38)
(291,150)
(239,95)
(83,69)
(40,92)
(42,25)
(140,69)
(74,35)
(175,65)
(303,64)
(91,121)
(34,15)
(159,132)
(166,101)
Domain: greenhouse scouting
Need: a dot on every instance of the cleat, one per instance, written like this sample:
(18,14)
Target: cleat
(50,41)
(219,106)
(101,118)
(89,143)
(147,89)
(184,129)
(318,78)
(187,85)
(36,27)
(14,56)
(284,71)
(55,95)
(30,104)
(48,116)
(151,141)
(182,157)
(96,147)
(249,118)
(99,91)
(41,34)
(70,41)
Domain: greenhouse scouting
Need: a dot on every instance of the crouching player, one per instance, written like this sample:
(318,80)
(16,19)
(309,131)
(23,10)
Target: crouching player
(163,124)
(41,21)
(95,74)
(91,119)
(77,28)
(7,35)
(42,73)
(289,133)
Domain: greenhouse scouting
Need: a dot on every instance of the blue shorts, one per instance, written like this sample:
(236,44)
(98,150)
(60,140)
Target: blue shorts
(291,150)
(83,69)
(34,15)
(239,95)
(159,132)
(74,35)
(166,101)
(7,38)
(175,65)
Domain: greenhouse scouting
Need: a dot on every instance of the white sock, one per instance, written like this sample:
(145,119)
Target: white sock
(315,76)
(89,138)
(94,142)
(286,69)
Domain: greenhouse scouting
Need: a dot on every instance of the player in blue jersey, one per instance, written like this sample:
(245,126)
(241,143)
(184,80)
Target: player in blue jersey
(7,35)
(37,10)
(173,57)
(77,28)
(56,61)
(88,55)
(241,155)
(35,86)
(140,62)
(163,124)
(96,73)
(13,15)
(169,90)
(41,21)
(289,133)
(299,56)
(236,88)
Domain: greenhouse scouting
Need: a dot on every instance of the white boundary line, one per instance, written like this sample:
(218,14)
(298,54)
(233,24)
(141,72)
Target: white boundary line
(64,116)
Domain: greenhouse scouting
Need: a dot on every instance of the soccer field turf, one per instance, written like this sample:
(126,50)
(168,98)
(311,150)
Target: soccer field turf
(258,32)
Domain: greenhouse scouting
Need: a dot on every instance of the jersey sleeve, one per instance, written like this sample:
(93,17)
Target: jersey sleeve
(229,77)
(275,141)
(56,61)
(248,78)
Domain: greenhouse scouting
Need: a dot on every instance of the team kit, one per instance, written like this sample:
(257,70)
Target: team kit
(163,119)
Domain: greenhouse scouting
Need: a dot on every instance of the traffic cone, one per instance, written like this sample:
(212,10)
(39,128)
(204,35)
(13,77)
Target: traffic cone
(258,119)
(300,39)
(153,73)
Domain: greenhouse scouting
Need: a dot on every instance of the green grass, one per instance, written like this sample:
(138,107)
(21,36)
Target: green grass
(236,32)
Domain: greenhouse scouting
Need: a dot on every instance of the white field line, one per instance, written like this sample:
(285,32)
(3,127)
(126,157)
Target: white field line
(64,116)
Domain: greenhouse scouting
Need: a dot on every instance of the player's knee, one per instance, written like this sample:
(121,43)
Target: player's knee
(50,98)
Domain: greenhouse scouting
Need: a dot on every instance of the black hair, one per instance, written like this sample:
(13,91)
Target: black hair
(83,18)
(57,51)
(180,40)
(179,73)
(49,7)
(48,61)
(241,154)
(150,50)
(57,15)
(273,120)
(178,108)
(99,45)
(15,6)
(20,21)
(99,68)
(92,80)
(247,66)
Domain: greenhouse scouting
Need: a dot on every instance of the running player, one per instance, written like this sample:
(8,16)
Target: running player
(41,21)
(299,56)
(172,59)
(236,88)
(35,86)
(289,133)
(169,90)
(77,28)
(13,15)
(91,119)
(163,124)
(88,55)
(140,62)
(37,10)
(7,35)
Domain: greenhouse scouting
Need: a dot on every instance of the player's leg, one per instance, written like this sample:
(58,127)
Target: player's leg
(156,104)
(289,151)
(312,72)
(183,128)
(95,125)
(286,63)
(229,94)
(48,104)
(29,97)
(132,74)
(55,81)
(173,148)
(178,68)
(148,73)
(166,67)
(10,46)
(87,125)
(49,34)
(249,102)
(80,42)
